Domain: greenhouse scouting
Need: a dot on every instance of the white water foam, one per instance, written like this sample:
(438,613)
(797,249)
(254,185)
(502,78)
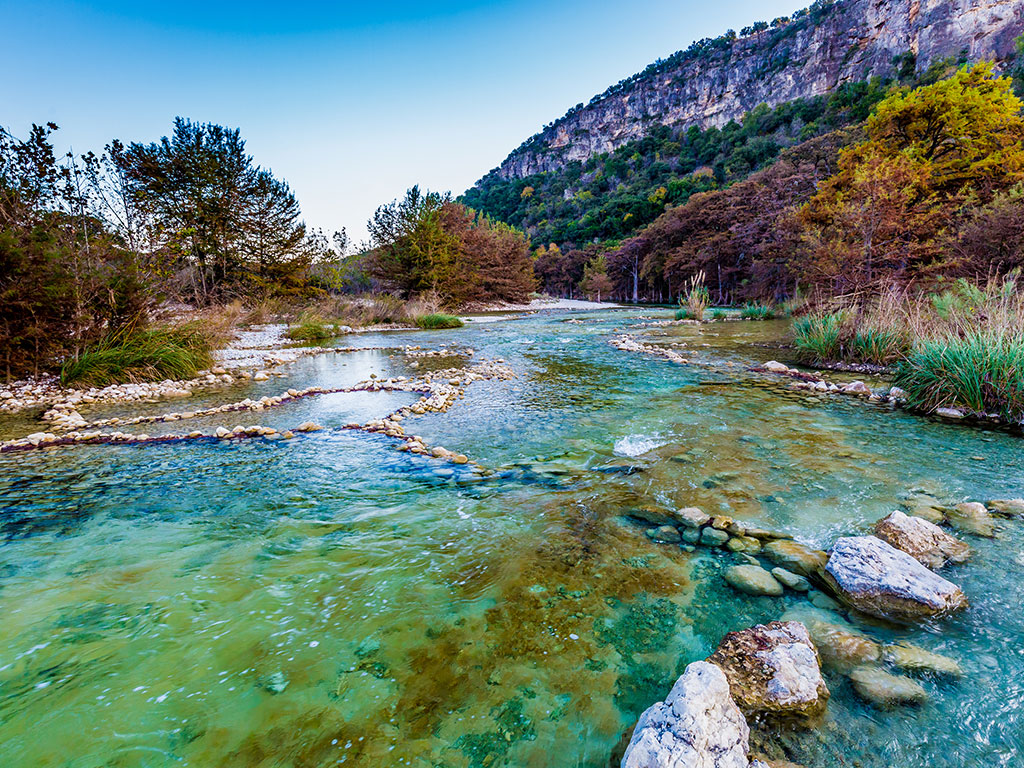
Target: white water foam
(637,445)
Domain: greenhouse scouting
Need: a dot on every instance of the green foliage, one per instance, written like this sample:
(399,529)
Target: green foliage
(682,313)
(615,194)
(718,314)
(231,220)
(67,277)
(311,330)
(149,354)
(752,311)
(876,346)
(982,372)
(817,336)
(426,243)
(438,320)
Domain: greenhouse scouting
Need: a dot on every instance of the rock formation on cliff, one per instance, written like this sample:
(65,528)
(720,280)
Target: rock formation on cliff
(819,49)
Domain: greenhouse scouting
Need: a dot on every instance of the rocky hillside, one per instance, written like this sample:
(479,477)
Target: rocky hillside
(812,53)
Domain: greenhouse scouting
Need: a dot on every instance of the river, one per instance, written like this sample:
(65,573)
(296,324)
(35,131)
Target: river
(330,600)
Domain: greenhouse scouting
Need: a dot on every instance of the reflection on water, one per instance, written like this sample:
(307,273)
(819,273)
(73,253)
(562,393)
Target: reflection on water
(330,600)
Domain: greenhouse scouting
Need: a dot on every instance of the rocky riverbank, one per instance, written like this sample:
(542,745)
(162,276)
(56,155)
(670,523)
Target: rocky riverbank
(773,672)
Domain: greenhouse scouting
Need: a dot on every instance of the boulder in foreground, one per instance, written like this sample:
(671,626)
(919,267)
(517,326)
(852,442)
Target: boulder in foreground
(698,725)
(876,578)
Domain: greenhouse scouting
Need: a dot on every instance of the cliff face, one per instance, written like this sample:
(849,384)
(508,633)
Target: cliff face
(846,41)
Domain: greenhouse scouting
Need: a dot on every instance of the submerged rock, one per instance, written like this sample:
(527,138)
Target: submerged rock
(876,578)
(795,557)
(773,669)
(1007,507)
(753,580)
(712,537)
(886,690)
(789,579)
(910,658)
(743,544)
(927,512)
(840,646)
(924,541)
(698,725)
(664,534)
(972,517)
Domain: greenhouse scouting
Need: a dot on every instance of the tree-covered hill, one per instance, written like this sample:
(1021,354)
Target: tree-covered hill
(614,195)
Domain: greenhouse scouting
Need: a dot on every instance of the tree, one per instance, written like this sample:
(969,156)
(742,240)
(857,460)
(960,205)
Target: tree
(65,278)
(427,243)
(595,278)
(966,131)
(927,153)
(225,216)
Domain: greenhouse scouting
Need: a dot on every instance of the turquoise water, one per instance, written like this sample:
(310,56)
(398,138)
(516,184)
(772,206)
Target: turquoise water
(331,600)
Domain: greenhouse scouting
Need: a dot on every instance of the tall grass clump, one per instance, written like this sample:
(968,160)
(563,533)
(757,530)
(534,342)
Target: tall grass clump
(141,354)
(876,345)
(753,311)
(695,300)
(438,320)
(818,336)
(969,350)
(981,373)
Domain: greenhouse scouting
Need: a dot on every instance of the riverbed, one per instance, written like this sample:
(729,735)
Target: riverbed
(331,600)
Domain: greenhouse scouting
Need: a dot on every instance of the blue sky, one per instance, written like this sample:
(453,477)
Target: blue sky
(350,103)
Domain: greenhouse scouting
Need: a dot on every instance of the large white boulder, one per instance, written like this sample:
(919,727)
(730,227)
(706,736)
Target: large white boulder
(878,579)
(698,725)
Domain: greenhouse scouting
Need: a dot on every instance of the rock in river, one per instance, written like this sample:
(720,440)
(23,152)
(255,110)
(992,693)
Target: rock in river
(698,724)
(1007,507)
(773,669)
(692,517)
(885,690)
(972,517)
(789,579)
(664,534)
(753,580)
(925,542)
(795,557)
(876,578)
(840,646)
(910,658)
(712,537)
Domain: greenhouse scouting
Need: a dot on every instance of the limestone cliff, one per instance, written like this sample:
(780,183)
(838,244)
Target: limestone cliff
(814,52)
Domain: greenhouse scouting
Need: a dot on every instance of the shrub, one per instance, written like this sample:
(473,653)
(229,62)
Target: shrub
(310,330)
(682,313)
(818,337)
(438,320)
(981,373)
(718,314)
(133,355)
(757,312)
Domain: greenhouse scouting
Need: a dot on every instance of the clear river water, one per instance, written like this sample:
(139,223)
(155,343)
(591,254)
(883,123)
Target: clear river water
(329,600)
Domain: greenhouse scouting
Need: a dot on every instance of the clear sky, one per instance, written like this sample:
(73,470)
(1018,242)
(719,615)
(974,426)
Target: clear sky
(350,103)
